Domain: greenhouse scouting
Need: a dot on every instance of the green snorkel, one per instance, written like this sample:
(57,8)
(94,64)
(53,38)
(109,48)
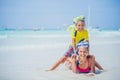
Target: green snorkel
(78,18)
(75,20)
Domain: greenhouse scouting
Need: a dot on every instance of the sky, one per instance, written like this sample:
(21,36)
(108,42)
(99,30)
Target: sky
(59,13)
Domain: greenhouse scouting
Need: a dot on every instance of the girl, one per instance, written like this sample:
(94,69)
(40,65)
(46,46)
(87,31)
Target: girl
(85,62)
(78,34)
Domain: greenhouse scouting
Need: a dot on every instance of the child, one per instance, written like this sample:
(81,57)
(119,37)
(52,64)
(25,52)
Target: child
(85,62)
(78,34)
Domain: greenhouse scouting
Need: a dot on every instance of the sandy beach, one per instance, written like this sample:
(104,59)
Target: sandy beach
(26,55)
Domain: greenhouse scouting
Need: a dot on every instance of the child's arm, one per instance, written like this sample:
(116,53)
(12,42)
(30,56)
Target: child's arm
(74,63)
(74,44)
(92,66)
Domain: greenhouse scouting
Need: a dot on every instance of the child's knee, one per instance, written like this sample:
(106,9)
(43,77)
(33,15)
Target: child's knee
(63,59)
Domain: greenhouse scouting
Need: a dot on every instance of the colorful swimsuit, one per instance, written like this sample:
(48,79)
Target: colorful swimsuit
(79,36)
(81,70)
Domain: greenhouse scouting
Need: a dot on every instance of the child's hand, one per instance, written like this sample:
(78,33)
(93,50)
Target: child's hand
(73,57)
(90,74)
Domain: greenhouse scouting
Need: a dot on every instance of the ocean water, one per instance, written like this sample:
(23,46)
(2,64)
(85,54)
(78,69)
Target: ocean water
(25,55)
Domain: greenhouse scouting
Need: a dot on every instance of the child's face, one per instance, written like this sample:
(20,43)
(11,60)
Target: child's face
(80,25)
(83,52)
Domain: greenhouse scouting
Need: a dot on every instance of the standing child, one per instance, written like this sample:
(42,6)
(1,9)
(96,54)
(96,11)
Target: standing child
(79,33)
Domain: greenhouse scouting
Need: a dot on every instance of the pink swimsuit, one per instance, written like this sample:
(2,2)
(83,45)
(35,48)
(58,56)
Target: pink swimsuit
(81,70)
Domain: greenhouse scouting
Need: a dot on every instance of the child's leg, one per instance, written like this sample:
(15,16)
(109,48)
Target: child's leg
(69,60)
(68,63)
(61,60)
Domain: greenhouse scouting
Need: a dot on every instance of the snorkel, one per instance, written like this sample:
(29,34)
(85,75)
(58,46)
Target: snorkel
(75,21)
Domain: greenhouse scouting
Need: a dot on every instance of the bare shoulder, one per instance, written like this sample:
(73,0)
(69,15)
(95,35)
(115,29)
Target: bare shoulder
(91,56)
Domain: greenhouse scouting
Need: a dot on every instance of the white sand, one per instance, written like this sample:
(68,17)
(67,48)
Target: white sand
(26,57)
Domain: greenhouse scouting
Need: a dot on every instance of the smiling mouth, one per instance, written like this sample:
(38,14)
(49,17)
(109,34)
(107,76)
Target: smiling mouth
(82,55)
